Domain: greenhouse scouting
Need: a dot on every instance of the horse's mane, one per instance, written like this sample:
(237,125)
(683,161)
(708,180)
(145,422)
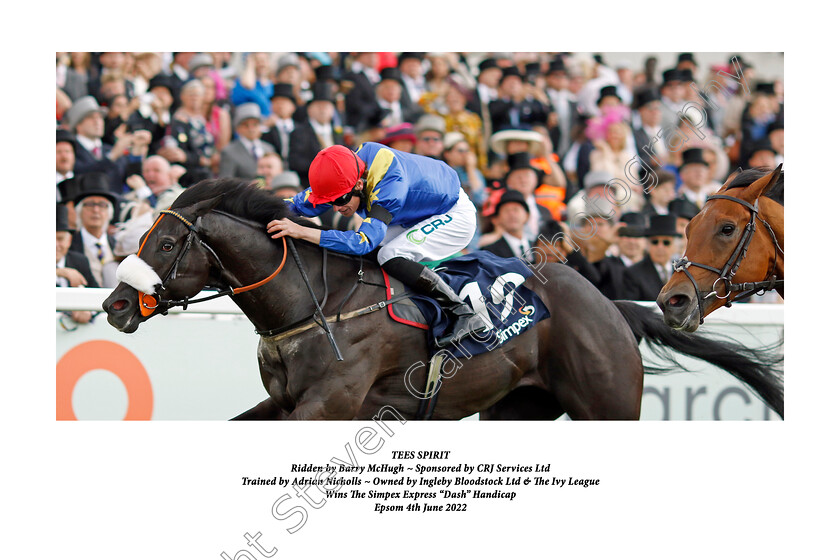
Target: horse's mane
(244,199)
(749,176)
(241,198)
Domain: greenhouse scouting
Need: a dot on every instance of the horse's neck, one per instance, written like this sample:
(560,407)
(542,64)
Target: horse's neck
(249,256)
(774,214)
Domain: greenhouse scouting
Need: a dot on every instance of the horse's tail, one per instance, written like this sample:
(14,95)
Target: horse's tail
(761,369)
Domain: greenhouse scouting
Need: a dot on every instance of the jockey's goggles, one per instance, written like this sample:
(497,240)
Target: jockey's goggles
(344,199)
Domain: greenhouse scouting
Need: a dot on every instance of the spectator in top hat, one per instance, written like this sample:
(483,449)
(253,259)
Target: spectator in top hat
(525,178)
(293,69)
(390,96)
(515,106)
(486,89)
(430,130)
(684,211)
(65,157)
(673,92)
(644,280)
(630,249)
(650,149)
(95,208)
(608,97)
(68,189)
(563,105)
(280,123)
(239,158)
(410,65)
(316,133)
(509,219)
(71,268)
(685,61)
(694,172)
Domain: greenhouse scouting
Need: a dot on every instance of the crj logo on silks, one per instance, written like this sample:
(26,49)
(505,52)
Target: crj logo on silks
(427,229)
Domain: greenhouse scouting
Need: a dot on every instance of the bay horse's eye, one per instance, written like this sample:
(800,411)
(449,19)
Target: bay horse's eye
(728,229)
(167,247)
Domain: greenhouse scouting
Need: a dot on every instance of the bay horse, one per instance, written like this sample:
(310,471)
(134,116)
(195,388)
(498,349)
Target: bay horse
(734,248)
(584,360)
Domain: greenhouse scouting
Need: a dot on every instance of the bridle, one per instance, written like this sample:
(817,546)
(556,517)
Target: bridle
(728,271)
(150,302)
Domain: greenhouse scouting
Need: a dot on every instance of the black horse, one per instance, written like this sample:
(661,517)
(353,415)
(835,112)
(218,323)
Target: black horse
(584,360)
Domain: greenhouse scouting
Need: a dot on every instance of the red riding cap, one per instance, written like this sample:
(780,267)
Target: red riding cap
(333,172)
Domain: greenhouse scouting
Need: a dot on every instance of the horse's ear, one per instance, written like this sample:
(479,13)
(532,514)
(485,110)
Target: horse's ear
(203,207)
(759,187)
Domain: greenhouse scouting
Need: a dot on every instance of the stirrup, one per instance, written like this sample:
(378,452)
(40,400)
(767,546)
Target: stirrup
(474,324)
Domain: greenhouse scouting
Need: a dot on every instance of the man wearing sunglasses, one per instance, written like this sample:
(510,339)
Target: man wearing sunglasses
(413,209)
(644,280)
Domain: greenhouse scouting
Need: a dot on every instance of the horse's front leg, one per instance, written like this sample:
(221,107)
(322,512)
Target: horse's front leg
(266,410)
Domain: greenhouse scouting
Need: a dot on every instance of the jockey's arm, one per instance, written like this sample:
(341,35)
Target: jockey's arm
(369,235)
(300,205)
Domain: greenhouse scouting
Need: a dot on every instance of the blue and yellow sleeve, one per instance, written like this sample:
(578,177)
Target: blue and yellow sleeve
(367,238)
(300,205)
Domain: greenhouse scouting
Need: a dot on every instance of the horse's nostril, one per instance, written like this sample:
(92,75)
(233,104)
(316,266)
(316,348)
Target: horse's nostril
(677,300)
(119,305)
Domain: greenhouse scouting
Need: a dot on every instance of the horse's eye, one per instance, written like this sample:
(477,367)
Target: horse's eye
(167,247)
(728,229)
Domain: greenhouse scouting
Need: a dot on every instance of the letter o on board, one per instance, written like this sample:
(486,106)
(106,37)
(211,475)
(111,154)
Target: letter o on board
(110,356)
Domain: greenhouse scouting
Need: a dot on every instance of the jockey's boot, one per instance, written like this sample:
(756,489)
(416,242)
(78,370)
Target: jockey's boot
(466,322)
(427,282)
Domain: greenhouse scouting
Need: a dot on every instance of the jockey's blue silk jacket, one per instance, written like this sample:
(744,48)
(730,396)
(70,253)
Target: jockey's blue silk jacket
(402,189)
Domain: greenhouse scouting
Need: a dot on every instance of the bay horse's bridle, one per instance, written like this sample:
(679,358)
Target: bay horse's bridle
(727,273)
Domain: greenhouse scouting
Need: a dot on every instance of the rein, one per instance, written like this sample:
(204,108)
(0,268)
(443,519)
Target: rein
(728,271)
(149,302)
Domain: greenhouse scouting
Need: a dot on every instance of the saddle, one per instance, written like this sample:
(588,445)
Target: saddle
(491,285)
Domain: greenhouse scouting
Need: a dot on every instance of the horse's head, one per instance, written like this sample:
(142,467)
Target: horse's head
(171,264)
(724,247)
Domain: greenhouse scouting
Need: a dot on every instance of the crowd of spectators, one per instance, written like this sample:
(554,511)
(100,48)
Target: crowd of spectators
(534,137)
